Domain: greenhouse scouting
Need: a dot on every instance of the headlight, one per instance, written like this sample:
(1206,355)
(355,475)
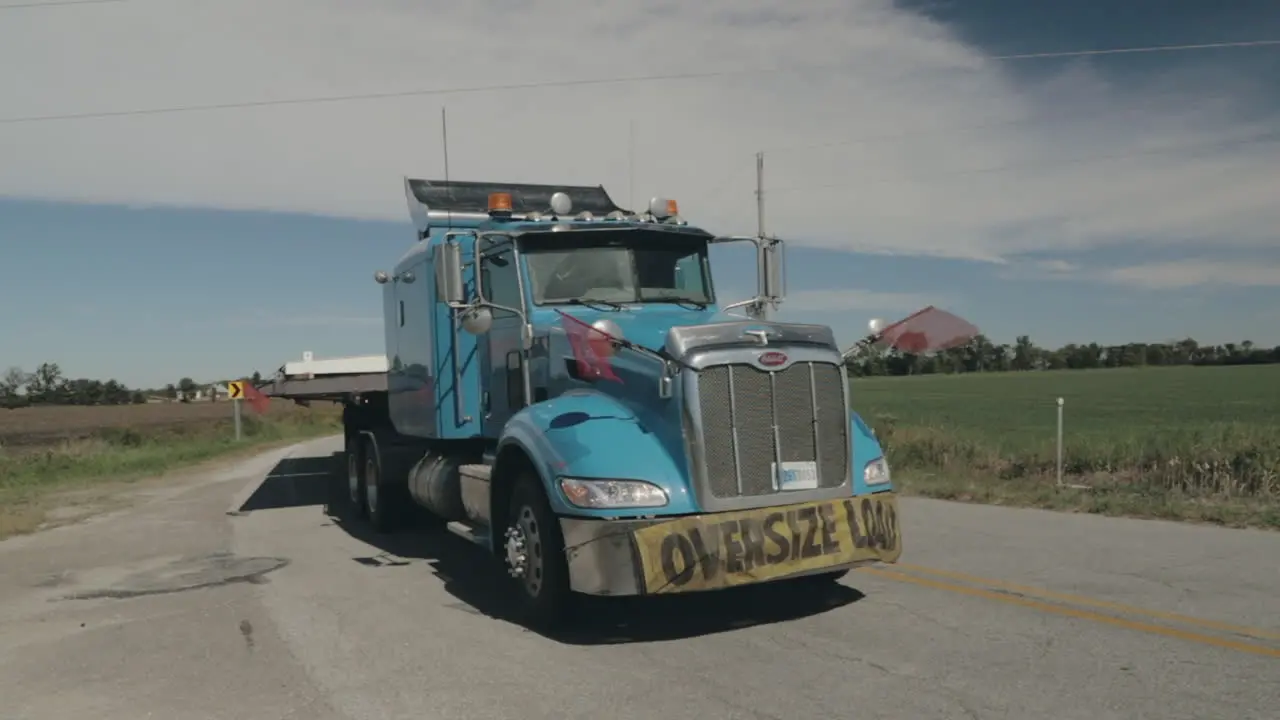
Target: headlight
(876,472)
(604,494)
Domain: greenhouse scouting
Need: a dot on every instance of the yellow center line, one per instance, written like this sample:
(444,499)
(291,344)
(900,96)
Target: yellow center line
(1076,613)
(1256,633)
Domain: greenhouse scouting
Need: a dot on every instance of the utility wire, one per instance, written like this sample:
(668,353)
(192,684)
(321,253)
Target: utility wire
(1054,118)
(315,100)
(35,5)
(1273,137)
(1144,49)
(712,198)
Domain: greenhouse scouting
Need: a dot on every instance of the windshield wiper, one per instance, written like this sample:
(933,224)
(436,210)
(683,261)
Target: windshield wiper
(617,307)
(679,300)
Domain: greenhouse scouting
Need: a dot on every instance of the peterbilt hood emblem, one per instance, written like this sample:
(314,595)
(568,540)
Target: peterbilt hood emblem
(773,358)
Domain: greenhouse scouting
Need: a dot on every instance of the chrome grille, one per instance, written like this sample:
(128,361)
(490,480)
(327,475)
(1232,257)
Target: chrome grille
(752,418)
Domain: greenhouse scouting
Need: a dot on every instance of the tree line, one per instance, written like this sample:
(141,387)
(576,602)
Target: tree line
(982,355)
(47,385)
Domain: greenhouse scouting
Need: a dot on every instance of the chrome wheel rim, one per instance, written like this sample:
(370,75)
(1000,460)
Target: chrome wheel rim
(353,477)
(524,551)
(371,485)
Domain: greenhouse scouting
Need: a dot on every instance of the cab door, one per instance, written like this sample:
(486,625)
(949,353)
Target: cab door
(503,355)
(457,367)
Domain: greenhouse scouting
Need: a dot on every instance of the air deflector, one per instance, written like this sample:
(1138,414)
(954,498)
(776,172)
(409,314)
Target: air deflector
(464,196)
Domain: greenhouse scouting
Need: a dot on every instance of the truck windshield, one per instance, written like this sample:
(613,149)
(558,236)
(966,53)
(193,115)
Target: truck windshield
(618,267)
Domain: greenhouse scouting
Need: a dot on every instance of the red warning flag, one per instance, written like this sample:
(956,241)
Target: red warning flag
(591,348)
(259,402)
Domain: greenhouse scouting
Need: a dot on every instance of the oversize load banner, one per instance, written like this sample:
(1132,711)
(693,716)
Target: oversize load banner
(721,550)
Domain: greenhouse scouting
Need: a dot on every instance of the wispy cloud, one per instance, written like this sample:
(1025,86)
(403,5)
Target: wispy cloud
(955,155)
(1041,269)
(1055,266)
(843,300)
(1194,273)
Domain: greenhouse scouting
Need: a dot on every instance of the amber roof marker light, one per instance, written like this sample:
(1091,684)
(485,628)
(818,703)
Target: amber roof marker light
(500,203)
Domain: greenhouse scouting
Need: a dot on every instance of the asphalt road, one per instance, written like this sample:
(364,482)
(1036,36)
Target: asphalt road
(231,596)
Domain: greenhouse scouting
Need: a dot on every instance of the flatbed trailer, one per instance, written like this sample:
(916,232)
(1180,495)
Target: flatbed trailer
(335,379)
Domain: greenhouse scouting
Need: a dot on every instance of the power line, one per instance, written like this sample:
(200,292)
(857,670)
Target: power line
(508,87)
(1146,49)
(315,100)
(1273,137)
(32,5)
(1048,119)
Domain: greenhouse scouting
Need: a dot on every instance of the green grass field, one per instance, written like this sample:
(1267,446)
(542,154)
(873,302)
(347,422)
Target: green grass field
(1177,442)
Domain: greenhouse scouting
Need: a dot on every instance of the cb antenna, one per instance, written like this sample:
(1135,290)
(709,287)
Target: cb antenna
(631,164)
(444,138)
(444,133)
(760,195)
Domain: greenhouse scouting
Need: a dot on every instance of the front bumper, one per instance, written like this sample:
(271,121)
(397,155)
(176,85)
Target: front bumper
(712,551)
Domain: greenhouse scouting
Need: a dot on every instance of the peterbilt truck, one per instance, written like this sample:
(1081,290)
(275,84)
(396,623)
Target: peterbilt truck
(563,387)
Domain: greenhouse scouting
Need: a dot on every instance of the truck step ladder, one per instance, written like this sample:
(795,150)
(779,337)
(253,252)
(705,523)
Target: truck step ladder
(476,472)
(473,535)
(466,531)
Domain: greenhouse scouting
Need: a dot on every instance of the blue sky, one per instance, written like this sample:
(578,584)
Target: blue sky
(110,276)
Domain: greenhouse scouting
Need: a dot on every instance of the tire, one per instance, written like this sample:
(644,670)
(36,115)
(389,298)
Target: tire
(540,584)
(380,506)
(354,489)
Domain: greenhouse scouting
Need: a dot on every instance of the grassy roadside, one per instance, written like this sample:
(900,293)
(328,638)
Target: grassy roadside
(36,481)
(1178,443)
(1097,495)
(1226,475)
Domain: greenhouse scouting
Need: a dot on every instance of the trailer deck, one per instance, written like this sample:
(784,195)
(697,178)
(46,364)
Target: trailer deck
(333,379)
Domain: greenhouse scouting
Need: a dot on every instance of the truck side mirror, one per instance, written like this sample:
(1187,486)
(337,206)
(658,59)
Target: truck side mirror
(449,287)
(772,264)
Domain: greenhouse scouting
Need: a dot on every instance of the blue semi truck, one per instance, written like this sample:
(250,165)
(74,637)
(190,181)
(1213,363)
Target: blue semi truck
(562,387)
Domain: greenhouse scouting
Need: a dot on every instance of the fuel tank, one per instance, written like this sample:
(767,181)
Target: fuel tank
(434,484)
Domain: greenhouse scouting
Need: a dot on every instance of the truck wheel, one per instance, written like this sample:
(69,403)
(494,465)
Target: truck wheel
(355,476)
(534,555)
(379,499)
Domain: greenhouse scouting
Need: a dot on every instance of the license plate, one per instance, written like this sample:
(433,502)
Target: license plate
(796,475)
(719,550)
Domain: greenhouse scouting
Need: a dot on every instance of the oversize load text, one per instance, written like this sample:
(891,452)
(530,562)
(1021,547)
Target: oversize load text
(735,548)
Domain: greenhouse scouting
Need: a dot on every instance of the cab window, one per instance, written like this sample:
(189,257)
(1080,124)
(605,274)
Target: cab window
(500,277)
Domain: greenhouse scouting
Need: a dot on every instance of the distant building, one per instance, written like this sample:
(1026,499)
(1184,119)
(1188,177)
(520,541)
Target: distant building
(215,392)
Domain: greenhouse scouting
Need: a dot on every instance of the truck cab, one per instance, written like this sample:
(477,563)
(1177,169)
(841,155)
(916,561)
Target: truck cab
(564,388)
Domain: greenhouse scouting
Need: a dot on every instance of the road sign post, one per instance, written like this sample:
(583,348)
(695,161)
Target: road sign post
(236,391)
(1059,462)
(1060,481)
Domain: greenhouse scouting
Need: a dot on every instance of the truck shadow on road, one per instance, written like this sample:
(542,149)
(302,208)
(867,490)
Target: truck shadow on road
(479,584)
